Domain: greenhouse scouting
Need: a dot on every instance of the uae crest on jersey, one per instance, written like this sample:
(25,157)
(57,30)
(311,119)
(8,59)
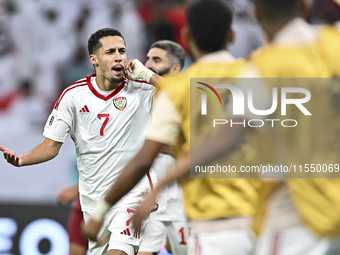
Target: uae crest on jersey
(120,103)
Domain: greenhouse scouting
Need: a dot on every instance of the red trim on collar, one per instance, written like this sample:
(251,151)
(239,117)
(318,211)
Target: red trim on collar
(97,94)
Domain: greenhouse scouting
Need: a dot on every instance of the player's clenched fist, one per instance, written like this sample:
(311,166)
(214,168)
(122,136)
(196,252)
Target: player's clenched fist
(11,156)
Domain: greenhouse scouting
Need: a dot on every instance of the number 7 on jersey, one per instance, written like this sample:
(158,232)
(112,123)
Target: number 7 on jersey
(107,117)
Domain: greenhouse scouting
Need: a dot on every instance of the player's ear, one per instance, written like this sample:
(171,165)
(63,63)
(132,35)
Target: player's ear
(304,9)
(258,14)
(94,60)
(176,68)
(231,36)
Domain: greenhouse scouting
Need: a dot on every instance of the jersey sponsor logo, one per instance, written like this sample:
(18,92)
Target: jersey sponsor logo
(84,109)
(120,103)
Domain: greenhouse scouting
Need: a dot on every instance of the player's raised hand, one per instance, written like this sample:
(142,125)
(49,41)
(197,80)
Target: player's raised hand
(128,66)
(11,156)
(138,70)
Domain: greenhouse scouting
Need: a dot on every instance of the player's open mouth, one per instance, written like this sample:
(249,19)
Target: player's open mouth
(118,69)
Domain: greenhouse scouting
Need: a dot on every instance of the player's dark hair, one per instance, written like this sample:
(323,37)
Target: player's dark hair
(278,9)
(209,23)
(174,51)
(94,44)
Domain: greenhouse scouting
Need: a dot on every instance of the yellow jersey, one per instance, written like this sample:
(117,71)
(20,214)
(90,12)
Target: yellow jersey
(315,199)
(205,198)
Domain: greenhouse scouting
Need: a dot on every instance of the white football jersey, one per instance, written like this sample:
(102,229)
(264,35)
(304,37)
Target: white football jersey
(107,127)
(170,198)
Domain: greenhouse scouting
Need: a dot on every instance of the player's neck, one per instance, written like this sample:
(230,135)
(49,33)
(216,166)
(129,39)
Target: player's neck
(105,84)
(196,53)
(272,28)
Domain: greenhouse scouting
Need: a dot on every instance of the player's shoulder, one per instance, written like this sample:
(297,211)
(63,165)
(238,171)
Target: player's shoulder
(218,69)
(267,51)
(75,87)
(208,70)
(181,80)
(274,56)
(333,29)
(176,82)
(83,82)
(330,36)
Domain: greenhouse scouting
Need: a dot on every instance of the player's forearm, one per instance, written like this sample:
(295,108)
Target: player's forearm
(155,79)
(45,151)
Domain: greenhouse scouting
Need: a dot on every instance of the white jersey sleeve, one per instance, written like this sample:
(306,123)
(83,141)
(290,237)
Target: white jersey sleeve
(60,120)
(55,128)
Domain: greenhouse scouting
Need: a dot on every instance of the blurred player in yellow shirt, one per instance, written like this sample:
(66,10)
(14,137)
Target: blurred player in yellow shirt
(302,215)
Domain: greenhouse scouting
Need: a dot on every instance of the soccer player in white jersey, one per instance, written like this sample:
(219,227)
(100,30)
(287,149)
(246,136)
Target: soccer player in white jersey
(105,114)
(166,58)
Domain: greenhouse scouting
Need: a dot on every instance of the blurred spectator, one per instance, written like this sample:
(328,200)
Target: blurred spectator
(10,72)
(23,112)
(175,15)
(164,20)
(118,14)
(324,12)
(79,67)
(248,34)
(161,29)
(125,18)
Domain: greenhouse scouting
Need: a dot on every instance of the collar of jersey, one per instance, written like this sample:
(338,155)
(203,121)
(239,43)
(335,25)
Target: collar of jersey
(97,94)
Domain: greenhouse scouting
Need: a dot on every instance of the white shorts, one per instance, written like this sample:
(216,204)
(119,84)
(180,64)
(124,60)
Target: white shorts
(119,232)
(225,242)
(117,227)
(294,241)
(176,231)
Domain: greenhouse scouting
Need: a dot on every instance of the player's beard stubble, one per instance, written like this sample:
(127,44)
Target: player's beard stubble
(161,72)
(117,80)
